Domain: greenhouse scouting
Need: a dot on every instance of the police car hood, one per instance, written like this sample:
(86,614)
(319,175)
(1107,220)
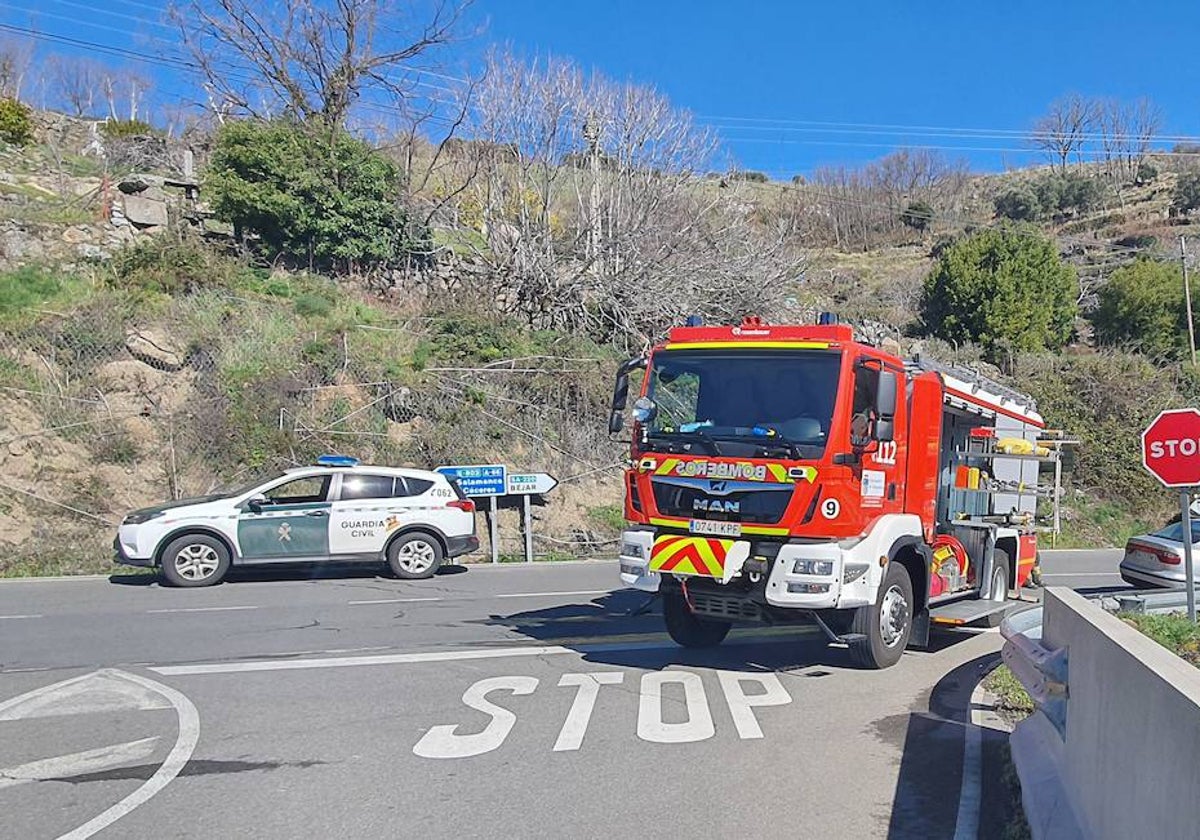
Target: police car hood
(179,503)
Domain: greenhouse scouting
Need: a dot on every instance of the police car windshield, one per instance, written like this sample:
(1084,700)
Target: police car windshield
(232,491)
(751,395)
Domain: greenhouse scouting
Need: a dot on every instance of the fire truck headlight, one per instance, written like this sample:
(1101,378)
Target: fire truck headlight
(808,588)
(812,567)
(630,549)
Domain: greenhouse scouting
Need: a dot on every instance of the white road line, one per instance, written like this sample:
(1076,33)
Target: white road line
(76,764)
(552,594)
(350,661)
(181,753)
(1081,574)
(2,617)
(436,656)
(966,824)
(201,609)
(393,601)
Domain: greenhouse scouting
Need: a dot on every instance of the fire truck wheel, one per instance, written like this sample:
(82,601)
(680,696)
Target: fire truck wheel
(687,629)
(999,588)
(883,628)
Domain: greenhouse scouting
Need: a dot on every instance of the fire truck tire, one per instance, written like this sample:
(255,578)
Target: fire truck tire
(1000,565)
(688,630)
(882,630)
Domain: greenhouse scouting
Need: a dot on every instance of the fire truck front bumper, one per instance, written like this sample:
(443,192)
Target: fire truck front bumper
(636,546)
(805,576)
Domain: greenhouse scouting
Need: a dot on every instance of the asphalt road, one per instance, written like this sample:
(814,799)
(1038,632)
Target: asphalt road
(486,702)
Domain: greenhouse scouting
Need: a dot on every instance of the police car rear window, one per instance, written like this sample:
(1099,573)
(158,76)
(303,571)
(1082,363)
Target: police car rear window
(369,487)
(416,486)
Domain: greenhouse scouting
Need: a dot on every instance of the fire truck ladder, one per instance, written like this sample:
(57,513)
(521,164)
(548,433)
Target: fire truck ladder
(972,377)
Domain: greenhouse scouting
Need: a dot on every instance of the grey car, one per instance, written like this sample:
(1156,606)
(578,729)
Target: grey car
(1157,559)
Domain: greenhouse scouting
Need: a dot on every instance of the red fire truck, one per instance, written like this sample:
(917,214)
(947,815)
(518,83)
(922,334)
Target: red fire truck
(784,474)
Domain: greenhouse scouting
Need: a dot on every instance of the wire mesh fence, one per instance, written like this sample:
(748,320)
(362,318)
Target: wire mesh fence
(119,401)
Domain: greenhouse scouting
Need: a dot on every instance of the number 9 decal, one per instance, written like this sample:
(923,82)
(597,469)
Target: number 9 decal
(830,508)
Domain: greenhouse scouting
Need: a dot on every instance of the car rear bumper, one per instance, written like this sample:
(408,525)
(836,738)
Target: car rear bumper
(458,546)
(1140,577)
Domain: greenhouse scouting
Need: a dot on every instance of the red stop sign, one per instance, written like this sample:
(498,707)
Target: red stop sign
(1171,447)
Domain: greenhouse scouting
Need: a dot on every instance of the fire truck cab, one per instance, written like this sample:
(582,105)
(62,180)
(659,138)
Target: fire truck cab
(783,474)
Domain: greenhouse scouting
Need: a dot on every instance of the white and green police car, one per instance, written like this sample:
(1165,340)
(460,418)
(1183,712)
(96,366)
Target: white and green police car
(337,510)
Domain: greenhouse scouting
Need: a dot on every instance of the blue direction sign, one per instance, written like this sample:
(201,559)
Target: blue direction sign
(479,479)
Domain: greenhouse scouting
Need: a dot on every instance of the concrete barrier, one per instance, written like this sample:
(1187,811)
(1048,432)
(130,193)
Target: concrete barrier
(1129,763)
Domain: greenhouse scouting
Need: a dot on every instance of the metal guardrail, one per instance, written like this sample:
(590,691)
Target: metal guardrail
(1154,601)
(1042,671)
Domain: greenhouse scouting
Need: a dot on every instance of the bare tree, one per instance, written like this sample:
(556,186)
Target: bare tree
(1126,131)
(313,59)
(594,211)
(77,83)
(15,60)
(124,92)
(1066,127)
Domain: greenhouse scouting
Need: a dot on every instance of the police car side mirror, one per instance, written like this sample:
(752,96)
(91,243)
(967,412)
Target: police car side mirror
(255,503)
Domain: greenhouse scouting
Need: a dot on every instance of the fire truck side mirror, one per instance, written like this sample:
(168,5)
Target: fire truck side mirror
(885,406)
(616,420)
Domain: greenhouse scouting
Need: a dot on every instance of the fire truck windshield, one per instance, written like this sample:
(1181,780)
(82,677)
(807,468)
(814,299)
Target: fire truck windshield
(758,397)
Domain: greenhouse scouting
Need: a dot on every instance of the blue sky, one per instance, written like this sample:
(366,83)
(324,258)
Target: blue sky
(992,66)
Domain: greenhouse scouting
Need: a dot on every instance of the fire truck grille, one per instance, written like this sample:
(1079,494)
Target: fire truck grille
(765,506)
(727,607)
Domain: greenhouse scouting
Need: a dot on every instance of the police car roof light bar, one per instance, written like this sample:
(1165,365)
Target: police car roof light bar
(337,461)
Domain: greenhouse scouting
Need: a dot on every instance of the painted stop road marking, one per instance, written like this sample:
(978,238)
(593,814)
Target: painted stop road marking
(486,695)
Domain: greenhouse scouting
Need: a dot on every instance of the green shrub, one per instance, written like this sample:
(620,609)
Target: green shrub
(1006,289)
(918,215)
(1068,194)
(1186,195)
(749,175)
(1142,307)
(16,122)
(1147,173)
(120,129)
(1056,196)
(157,264)
(331,203)
(310,305)
(1105,400)
(1020,204)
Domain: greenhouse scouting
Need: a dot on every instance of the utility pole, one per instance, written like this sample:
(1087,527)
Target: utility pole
(591,133)
(1187,299)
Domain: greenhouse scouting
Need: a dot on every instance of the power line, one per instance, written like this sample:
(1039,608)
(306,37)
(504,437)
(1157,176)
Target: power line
(166,60)
(109,13)
(769,124)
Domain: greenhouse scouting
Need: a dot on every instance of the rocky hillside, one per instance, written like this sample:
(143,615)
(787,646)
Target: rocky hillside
(141,357)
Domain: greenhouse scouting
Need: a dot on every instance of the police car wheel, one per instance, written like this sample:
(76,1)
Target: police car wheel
(195,560)
(414,556)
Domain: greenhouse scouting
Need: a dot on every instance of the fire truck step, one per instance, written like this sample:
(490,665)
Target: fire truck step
(967,612)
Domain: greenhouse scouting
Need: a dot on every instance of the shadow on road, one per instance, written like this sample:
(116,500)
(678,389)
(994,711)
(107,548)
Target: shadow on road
(926,802)
(298,572)
(623,628)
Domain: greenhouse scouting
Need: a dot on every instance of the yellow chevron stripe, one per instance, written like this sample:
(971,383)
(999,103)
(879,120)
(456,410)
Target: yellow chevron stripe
(749,345)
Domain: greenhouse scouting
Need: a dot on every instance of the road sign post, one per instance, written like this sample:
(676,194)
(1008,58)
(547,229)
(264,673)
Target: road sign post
(1188,569)
(494,480)
(1171,453)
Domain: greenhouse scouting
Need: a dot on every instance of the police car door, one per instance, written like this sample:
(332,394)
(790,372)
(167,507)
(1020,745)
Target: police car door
(368,510)
(291,522)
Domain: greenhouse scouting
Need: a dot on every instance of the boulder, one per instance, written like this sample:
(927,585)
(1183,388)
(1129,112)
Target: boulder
(145,212)
(139,183)
(153,348)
